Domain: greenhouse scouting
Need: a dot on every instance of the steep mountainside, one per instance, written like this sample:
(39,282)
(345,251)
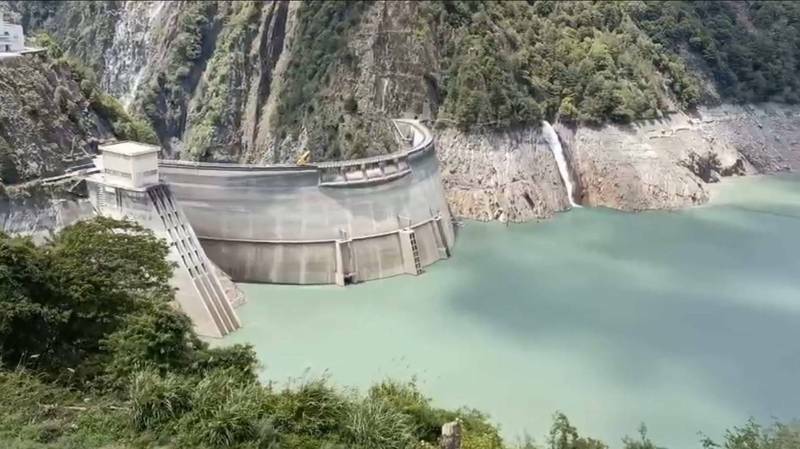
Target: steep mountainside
(266,81)
(258,80)
(51,117)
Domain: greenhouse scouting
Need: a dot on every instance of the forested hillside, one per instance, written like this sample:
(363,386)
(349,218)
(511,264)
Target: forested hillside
(751,50)
(258,81)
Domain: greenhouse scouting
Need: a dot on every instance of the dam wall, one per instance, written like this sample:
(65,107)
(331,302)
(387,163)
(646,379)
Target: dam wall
(335,222)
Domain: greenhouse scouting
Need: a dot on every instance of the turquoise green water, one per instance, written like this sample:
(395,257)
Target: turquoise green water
(688,321)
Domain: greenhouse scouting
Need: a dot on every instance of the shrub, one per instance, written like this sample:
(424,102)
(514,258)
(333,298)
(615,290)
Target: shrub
(755,436)
(313,409)
(59,300)
(565,436)
(350,105)
(8,169)
(406,398)
(375,424)
(156,400)
(238,360)
(62,98)
(159,338)
(125,127)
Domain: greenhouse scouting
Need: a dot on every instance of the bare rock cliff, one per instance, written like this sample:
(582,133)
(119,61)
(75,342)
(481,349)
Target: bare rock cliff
(46,121)
(667,164)
(507,176)
(664,164)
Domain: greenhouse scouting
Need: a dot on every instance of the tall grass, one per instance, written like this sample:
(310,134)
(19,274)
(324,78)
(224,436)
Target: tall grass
(375,424)
(156,399)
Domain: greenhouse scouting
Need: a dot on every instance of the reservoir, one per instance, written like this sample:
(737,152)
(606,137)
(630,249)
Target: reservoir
(688,321)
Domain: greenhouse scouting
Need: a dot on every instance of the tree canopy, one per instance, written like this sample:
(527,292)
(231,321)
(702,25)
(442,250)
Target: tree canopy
(505,63)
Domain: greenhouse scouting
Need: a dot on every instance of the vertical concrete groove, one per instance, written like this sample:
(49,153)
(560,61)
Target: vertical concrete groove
(193,259)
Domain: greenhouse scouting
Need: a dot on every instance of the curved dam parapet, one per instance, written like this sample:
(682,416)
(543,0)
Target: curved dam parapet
(334,222)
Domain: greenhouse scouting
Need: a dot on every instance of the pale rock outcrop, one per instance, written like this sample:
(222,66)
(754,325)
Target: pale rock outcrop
(766,135)
(660,164)
(504,175)
(667,164)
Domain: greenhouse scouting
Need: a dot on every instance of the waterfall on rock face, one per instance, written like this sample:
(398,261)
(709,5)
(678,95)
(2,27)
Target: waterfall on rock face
(554,143)
(125,59)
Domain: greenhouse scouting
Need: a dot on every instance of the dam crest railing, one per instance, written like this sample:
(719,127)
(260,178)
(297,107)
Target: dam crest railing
(363,171)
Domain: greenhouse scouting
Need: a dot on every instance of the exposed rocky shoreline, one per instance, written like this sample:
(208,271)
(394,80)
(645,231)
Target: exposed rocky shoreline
(665,164)
(511,175)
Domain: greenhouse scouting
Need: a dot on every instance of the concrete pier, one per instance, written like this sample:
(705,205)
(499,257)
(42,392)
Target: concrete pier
(331,223)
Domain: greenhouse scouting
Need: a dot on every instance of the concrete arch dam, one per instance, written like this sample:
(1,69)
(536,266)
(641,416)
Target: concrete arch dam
(334,222)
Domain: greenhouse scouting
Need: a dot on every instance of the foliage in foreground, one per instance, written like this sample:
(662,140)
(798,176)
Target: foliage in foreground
(96,357)
(227,411)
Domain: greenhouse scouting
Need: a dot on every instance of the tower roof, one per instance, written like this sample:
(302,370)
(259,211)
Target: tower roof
(130,148)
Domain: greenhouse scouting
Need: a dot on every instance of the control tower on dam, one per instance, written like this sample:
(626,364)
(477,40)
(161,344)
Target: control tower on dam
(336,222)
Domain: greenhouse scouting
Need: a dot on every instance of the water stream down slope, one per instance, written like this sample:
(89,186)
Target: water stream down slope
(551,137)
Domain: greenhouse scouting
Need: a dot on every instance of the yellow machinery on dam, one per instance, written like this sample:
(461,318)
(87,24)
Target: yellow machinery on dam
(324,223)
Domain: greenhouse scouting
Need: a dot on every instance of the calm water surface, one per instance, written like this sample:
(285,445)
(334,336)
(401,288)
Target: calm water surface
(686,321)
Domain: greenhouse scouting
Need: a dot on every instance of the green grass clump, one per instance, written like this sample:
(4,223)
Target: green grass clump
(156,400)
(226,410)
(375,424)
(313,408)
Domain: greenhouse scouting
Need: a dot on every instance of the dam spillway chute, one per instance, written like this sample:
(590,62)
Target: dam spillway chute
(193,258)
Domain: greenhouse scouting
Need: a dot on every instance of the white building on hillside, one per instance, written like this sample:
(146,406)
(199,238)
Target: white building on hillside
(12,39)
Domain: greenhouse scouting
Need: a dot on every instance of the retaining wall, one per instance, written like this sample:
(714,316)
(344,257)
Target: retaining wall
(318,224)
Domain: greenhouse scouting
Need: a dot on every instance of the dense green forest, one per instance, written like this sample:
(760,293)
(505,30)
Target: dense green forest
(516,62)
(93,355)
(751,49)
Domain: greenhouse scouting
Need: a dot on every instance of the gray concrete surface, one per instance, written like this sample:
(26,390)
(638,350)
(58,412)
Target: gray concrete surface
(278,224)
(199,291)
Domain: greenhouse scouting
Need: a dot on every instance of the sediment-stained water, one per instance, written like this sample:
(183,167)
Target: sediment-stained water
(688,321)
